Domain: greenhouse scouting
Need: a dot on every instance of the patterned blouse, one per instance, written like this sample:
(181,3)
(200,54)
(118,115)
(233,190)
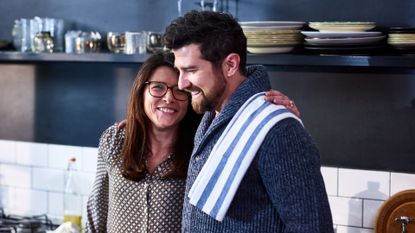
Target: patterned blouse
(117,204)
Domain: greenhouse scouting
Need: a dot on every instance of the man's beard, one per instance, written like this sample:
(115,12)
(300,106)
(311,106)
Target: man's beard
(212,98)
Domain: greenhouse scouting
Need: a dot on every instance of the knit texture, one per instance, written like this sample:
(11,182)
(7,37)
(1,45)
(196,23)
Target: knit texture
(283,189)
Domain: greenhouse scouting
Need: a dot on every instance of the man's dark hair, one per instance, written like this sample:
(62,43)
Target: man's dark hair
(218,35)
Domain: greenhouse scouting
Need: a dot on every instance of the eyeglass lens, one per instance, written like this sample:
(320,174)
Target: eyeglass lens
(159,89)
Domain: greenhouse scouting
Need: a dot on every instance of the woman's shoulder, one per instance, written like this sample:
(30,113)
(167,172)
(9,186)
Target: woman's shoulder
(113,133)
(111,141)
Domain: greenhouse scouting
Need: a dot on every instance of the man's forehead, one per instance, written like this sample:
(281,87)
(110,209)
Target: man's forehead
(187,55)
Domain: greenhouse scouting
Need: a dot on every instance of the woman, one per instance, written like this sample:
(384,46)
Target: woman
(141,170)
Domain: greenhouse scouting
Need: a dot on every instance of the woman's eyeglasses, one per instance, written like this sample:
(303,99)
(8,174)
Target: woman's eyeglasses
(159,89)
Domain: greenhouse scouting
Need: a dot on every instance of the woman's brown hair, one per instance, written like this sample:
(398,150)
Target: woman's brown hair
(136,143)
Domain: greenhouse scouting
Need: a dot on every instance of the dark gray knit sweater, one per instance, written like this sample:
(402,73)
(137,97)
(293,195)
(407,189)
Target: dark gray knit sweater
(282,191)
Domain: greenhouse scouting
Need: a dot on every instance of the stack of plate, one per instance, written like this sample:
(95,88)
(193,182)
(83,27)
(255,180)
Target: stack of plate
(343,38)
(272,36)
(402,39)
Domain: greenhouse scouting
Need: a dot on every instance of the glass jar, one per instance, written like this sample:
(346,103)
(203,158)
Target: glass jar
(43,42)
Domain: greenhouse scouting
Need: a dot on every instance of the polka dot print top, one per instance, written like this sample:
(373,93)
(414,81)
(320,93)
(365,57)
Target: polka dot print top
(117,204)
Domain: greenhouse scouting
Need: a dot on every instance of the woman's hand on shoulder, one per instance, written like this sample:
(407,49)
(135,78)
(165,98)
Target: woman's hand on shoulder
(279,98)
(121,124)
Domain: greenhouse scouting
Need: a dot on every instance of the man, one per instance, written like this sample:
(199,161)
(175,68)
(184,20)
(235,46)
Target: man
(281,188)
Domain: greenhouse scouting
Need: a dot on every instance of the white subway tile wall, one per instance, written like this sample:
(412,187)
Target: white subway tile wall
(7,151)
(347,211)
(89,159)
(59,156)
(7,197)
(370,208)
(364,184)
(13,175)
(401,181)
(55,204)
(31,201)
(32,154)
(32,177)
(330,176)
(48,179)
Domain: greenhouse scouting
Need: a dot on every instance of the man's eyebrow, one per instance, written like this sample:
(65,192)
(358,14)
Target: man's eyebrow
(187,67)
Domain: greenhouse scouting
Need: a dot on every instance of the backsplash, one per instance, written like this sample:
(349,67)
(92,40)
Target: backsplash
(32,177)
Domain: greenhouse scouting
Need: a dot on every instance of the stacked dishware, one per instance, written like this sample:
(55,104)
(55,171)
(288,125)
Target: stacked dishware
(343,38)
(265,37)
(402,39)
(342,26)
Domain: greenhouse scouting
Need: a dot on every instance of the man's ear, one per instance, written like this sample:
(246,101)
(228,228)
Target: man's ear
(231,64)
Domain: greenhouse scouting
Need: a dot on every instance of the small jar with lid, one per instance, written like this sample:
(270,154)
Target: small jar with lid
(43,42)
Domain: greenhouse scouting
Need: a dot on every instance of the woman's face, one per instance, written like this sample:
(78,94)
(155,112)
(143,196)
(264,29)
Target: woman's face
(164,112)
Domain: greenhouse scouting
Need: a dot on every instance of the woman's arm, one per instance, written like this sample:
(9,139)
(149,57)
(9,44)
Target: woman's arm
(97,206)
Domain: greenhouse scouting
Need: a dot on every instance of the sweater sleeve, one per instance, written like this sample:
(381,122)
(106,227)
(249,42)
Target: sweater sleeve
(97,205)
(289,165)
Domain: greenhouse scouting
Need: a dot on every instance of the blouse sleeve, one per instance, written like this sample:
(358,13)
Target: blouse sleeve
(97,205)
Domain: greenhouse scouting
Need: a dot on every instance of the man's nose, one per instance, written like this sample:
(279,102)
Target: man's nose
(183,82)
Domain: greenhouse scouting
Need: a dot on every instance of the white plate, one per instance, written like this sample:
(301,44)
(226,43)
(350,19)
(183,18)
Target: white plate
(405,43)
(390,40)
(344,41)
(282,36)
(271,23)
(273,44)
(265,50)
(271,28)
(339,34)
(343,29)
(273,32)
(342,23)
(342,26)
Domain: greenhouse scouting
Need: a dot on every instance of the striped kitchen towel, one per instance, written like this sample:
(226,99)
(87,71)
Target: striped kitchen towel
(216,184)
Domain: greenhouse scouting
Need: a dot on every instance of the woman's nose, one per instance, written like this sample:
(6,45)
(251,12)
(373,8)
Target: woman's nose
(168,97)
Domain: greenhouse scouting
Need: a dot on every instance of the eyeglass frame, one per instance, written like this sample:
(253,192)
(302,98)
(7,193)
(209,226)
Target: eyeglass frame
(167,89)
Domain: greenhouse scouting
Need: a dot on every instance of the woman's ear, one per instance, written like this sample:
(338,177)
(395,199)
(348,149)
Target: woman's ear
(231,64)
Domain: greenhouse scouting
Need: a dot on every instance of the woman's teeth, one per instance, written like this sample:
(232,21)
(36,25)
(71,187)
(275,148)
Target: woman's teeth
(168,110)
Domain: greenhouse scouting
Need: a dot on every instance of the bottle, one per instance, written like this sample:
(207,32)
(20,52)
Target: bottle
(72,199)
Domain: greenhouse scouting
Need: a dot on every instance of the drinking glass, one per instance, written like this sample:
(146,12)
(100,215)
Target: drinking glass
(116,42)
(135,42)
(154,42)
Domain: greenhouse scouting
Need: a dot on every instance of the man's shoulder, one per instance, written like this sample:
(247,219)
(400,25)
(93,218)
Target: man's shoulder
(288,129)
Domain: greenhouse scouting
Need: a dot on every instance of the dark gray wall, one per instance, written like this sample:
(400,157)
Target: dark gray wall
(107,15)
(362,119)
(62,103)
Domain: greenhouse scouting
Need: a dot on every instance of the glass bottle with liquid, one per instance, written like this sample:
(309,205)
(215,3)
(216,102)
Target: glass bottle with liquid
(72,199)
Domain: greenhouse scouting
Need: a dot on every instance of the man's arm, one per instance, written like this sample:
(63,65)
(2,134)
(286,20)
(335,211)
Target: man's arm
(289,165)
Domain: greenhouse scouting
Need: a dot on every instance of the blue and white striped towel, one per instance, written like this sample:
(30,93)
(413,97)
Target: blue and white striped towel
(217,182)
